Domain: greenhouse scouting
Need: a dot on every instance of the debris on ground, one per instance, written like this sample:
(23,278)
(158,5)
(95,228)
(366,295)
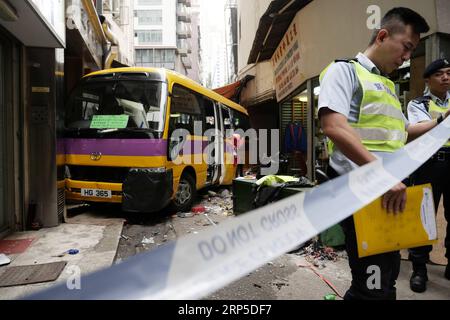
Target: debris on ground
(185,214)
(318,255)
(70,251)
(212,193)
(198,209)
(146,240)
(329,297)
(218,203)
(4,260)
(209,219)
(280,282)
(225,194)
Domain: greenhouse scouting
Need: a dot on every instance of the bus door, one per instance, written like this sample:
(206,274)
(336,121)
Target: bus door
(226,147)
(212,127)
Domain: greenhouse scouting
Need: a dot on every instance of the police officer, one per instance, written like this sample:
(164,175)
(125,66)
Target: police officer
(361,114)
(432,105)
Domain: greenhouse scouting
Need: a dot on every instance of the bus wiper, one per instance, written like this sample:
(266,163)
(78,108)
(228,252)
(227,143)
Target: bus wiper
(108,130)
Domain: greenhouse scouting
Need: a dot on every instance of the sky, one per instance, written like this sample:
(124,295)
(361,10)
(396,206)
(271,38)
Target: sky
(213,38)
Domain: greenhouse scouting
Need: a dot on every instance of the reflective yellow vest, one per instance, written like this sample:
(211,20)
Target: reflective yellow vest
(381,124)
(435,111)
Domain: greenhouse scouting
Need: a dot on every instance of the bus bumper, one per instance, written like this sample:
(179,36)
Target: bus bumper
(146,190)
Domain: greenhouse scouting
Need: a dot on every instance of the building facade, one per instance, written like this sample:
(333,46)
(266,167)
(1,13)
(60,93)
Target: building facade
(291,47)
(119,30)
(46,46)
(31,82)
(231,39)
(163,33)
(194,44)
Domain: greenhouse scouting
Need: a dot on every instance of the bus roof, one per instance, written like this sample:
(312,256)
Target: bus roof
(176,77)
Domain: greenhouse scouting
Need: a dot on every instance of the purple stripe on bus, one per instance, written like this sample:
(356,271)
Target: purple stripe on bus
(194,147)
(117,147)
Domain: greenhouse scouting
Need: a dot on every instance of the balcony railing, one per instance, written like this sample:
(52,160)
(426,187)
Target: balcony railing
(183,13)
(184,30)
(187,3)
(183,52)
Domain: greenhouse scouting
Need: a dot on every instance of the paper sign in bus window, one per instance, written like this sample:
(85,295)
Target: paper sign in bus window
(109,122)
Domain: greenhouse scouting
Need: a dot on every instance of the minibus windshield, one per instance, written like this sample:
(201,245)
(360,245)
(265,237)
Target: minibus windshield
(119,104)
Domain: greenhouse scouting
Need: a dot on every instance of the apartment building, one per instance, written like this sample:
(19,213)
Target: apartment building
(162,34)
(231,27)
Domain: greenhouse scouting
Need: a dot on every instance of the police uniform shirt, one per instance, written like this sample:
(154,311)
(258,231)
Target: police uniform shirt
(341,92)
(417,111)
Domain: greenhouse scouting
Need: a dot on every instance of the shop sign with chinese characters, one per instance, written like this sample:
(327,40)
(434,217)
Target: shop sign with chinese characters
(285,62)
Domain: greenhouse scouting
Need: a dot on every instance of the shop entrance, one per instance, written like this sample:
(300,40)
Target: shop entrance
(302,139)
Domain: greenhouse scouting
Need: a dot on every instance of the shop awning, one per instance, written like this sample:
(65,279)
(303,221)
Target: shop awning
(23,19)
(232,91)
(272,27)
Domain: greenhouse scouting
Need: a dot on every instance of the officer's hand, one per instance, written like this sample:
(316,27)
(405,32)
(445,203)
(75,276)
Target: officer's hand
(395,199)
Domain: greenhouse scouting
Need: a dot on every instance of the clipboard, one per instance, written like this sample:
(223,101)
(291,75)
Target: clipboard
(378,231)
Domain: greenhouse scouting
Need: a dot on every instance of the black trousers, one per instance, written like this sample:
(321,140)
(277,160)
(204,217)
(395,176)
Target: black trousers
(437,172)
(388,265)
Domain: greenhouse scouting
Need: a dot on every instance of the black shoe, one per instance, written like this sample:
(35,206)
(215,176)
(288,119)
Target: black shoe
(418,281)
(447,272)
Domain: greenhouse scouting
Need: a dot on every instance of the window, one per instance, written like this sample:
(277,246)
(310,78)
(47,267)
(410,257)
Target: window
(186,108)
(149,2)
(140,100)
(144,56)
(158,58)
(227,121)
(149,37)
(149,17)
(240,121)
(210,118)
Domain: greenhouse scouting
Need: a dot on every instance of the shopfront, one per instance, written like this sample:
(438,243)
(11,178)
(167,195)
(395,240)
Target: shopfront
(9,114)
(32,38)
(307,47)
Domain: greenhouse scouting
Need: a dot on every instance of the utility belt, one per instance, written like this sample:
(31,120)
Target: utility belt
(442,155)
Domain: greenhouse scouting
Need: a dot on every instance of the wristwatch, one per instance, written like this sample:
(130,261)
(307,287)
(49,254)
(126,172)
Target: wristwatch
(440,119)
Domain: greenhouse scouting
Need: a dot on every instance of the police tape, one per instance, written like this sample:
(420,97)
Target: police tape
(197,265)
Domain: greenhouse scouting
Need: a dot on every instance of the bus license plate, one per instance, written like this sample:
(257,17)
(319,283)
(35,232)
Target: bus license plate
(96,193)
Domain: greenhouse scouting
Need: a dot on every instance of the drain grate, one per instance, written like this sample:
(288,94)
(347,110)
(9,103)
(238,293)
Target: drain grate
(22,275)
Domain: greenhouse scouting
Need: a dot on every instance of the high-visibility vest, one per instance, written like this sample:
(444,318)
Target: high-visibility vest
(435,111)
(381,123)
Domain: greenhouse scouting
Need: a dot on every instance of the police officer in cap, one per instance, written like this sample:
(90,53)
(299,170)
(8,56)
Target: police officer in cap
(432,106)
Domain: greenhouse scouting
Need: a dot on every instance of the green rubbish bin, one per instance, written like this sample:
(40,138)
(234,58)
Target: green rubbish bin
(244,195)
(333,237)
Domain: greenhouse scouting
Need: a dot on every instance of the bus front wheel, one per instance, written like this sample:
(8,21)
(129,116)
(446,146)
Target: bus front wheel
(185,195)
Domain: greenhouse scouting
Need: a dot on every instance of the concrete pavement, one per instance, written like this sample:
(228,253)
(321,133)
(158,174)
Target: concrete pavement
(96,239)
(97,235)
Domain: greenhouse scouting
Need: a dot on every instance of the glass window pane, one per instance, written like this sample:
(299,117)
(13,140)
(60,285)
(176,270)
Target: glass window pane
(149,17)
(149,2)
(149,36)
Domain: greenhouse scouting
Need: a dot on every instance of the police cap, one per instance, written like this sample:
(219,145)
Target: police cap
(435,66)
